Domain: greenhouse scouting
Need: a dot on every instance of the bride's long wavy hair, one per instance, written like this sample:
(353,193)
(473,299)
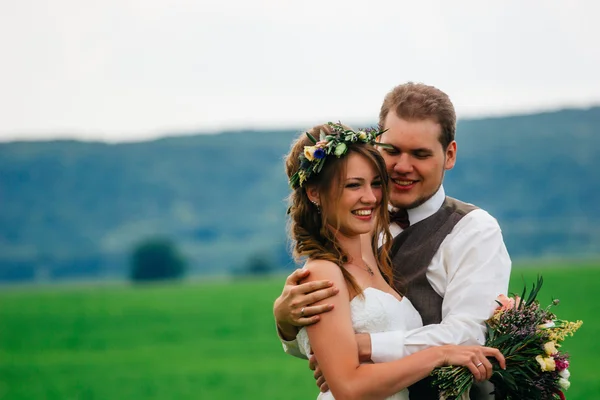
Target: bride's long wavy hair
(311,234)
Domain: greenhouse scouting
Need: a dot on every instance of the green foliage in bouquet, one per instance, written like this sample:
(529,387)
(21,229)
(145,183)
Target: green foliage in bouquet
(529,337)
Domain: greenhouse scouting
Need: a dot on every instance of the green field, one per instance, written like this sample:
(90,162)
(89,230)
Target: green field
(205,341)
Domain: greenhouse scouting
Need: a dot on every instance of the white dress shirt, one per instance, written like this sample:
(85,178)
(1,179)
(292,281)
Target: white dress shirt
(469,270)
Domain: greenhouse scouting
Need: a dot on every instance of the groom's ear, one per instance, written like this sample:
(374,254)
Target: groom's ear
(313,194)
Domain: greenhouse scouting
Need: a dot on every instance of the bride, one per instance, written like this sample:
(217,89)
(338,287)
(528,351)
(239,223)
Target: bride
(339,193)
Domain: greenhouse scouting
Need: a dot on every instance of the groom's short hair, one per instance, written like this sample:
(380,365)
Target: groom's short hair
(417,101)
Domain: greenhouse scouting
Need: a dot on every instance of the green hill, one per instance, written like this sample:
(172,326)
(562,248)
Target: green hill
(70,208)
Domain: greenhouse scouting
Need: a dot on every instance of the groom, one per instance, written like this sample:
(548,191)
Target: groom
(449,255)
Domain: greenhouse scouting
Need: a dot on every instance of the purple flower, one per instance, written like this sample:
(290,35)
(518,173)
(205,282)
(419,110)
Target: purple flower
(319,153)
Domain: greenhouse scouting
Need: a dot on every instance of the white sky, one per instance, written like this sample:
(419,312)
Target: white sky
(133,69)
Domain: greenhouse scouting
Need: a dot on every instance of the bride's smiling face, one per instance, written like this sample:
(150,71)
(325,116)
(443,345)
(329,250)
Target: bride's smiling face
(354,212)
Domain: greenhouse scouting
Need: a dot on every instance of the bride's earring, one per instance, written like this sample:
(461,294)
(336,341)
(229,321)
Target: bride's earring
(317,205)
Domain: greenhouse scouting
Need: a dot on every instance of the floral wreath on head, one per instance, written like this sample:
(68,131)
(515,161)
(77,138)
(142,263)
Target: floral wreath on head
(313,158)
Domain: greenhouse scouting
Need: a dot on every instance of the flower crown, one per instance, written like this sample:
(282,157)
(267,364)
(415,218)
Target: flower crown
(313,158)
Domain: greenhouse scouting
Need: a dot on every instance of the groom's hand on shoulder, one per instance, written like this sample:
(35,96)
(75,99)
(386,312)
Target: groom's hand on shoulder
(293,308)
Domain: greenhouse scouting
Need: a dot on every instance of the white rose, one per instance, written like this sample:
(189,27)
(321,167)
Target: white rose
(565,373)
(563,383)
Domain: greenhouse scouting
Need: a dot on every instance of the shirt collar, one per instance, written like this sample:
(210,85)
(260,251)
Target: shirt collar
(426,209)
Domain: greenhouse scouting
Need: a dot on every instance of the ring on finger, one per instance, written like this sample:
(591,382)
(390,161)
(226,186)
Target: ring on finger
(302,312)
(479,364)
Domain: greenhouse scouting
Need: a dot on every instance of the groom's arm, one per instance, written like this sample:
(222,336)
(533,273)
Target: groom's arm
(472,270)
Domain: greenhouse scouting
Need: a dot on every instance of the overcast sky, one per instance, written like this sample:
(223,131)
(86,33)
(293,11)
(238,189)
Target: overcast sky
(133,69)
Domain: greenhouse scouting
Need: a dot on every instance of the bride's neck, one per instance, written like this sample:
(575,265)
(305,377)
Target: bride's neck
(352,246)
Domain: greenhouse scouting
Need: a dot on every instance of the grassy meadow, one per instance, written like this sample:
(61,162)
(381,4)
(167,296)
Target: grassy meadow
(206,340)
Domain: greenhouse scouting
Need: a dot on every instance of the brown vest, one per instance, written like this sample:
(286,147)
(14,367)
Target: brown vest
(411,253)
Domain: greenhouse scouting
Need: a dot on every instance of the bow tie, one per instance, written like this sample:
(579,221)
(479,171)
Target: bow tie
(400,217)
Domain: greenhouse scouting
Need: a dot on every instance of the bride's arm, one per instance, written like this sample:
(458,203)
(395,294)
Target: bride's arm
(334,344)
(295,300)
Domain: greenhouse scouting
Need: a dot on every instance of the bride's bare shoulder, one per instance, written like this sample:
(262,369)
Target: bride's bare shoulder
(323,270)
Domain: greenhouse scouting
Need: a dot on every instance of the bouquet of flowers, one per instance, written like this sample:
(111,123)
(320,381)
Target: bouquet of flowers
(529,337)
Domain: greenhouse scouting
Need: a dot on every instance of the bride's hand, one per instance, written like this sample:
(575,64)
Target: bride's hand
(473,357)
(293,307)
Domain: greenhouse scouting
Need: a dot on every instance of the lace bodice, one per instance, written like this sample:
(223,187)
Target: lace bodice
(376,311)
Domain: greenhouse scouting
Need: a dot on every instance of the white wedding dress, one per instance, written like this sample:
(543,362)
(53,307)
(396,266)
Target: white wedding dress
(377,311)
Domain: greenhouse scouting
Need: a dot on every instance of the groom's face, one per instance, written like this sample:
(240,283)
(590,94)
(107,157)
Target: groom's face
(417,162)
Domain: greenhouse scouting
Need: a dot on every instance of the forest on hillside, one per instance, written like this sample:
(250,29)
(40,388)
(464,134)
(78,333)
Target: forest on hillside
(73,209)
